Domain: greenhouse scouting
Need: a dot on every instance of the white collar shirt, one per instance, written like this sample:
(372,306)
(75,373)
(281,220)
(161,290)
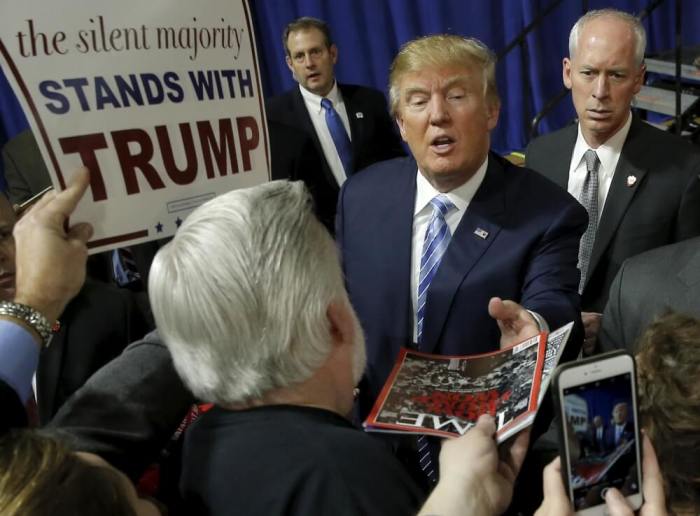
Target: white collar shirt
(318,119)
(422,212)
(608,154)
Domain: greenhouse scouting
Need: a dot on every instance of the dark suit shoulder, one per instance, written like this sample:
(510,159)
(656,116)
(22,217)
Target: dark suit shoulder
(545,143)
(280,106)
(666,145)
(383,174)
(652,262)
(523,181)
(23,142)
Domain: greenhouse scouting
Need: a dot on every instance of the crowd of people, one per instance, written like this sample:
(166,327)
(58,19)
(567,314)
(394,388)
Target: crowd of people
(245,397)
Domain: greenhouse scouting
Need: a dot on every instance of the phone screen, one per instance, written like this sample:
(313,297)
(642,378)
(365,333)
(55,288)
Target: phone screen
(601,432)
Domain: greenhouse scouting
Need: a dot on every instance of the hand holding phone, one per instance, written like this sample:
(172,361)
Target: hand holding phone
(596,404)
(556,501)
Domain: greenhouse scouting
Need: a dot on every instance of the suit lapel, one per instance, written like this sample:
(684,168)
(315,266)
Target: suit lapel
(355,117)
(399,224)
(48,372)
(619,196)
(484,216)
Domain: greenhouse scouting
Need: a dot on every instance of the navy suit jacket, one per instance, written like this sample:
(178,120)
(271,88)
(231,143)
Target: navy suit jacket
(654,198)
(372,132)
(528,256)
(626,435)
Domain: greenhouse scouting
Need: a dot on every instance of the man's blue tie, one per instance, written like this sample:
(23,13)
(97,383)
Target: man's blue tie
(339,135)
(124,267)
(437,238)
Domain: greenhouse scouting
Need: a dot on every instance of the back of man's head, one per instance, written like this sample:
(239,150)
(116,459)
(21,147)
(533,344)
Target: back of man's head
(240,295)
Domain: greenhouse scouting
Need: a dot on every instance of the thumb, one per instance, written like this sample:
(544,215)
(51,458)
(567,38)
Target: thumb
(497,308)
(616,503)
(486,424)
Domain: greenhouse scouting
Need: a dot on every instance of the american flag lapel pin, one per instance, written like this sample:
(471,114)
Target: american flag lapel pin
(631,180)
(481,233)
(359,114)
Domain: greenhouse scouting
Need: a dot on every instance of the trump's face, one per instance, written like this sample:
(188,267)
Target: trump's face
(603,76)
(445,119)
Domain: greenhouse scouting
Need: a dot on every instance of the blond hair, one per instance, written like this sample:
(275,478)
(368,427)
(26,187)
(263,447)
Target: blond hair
(443,50)
(40,476)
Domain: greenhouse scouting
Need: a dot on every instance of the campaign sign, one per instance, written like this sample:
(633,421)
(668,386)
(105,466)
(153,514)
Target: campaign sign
(162,101)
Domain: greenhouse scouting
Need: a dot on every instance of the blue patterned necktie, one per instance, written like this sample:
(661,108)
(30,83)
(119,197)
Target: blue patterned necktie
(589,200)
(437,238)
(339,135)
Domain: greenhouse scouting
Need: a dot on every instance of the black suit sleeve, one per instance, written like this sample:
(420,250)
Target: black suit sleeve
(12,412)
(128,410)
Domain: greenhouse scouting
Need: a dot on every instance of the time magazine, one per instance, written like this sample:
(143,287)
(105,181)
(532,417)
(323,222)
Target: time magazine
(445,395)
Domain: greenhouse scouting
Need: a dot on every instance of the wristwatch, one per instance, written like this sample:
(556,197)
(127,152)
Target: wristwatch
(30,317)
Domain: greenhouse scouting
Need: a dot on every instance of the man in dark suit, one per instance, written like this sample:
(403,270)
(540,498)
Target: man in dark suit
(311,56)
(24,167)
(597,435)
(620,430)
(94,327)
(514,234)
(647,183)
(645,289)
(43,242)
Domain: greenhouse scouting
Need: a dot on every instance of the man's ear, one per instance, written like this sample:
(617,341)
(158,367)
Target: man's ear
(333,50)
(492,112)
(399,123)
(340,322)
(566,72)
(288,60)
(639,79)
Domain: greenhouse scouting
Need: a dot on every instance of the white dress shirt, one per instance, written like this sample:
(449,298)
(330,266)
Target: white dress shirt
(318,119)
(460,197)
(608,154)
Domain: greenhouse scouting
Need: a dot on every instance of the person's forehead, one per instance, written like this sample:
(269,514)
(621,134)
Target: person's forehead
(305,37)
(608,38)
(442,76)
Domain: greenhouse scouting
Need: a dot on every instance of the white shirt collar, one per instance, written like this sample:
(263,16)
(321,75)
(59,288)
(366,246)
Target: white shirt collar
(460,196)
(313,101)
(608,153)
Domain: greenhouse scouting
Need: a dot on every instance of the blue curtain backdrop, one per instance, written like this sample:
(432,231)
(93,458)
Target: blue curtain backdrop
(369,32)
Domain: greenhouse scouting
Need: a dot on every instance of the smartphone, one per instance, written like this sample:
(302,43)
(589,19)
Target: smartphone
(597,417)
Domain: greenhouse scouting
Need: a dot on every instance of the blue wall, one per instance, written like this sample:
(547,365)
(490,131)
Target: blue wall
(369,32)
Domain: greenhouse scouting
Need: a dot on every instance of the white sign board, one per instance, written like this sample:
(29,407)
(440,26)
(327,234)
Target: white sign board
(162,101)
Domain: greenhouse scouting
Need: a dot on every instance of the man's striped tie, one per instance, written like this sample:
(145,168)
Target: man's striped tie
(437,238)
(589,200)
